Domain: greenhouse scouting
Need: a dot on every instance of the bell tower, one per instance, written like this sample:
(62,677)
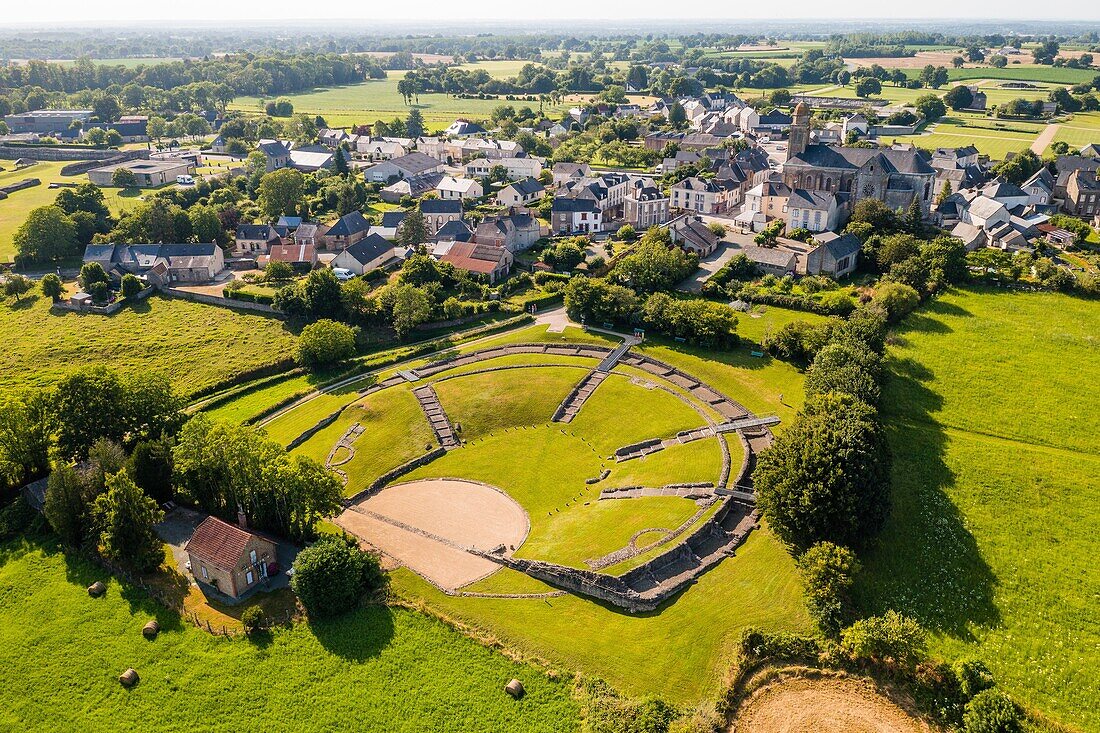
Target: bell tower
(800,130)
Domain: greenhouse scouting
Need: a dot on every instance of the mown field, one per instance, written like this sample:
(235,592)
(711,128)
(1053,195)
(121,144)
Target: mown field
(992,414)
(374,669)
(370,101)
(194,345)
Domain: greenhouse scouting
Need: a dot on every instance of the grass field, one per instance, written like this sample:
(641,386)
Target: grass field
(369,101)
(992,544)
(375,669)
(194,345)
(1018,72)
(1082,129)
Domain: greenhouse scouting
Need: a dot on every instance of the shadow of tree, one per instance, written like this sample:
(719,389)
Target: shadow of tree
(358,635)
(925,563)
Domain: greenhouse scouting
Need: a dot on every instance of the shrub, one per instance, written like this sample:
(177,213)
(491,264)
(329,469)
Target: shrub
(974,676)
(51,286)
(898,299)
(332,574)
(15,518)
(828,571)
(253,618)
(756,645)
(890,637)
(992,711)
(845,368)
(131,286)
(796,341)
(325,342)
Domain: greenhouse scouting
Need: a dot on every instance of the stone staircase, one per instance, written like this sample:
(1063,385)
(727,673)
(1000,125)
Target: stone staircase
(437,418)
(572,404)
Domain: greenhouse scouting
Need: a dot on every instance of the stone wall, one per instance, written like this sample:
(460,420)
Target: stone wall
(60,152)
(223,302)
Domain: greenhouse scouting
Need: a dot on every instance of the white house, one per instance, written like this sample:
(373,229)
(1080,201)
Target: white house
(814,210)
(459,188)
(517,168)
(367,254)
(520,193)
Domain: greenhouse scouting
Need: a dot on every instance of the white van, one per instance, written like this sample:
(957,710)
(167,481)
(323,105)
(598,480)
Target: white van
(342,274)
(185,180)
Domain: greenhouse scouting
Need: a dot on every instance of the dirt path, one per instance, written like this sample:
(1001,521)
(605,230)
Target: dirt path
(825,705)
(1046,137)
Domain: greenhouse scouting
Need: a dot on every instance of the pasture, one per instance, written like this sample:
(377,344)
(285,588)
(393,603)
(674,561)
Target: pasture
(62,652)
(194,345)
(992,541)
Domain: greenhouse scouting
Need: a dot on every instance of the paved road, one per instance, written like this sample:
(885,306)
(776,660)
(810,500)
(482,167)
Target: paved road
(734,240)
(1046,137)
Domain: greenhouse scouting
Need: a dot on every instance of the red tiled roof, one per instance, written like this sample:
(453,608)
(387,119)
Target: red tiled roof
(293,253)
(481,258)
(220,543)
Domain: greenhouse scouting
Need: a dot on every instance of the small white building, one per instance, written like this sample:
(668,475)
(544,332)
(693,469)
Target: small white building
(460,189)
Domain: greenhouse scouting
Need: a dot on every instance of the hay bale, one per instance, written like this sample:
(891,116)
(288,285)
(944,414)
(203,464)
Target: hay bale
(514,688)
(96,589)
(129,678)
(150,630)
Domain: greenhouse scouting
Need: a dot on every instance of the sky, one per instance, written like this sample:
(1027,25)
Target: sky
(69,12)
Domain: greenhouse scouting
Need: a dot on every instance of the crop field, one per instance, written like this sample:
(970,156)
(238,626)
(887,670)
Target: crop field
(1018,72)
(992,542)
(194,345)
(62,652)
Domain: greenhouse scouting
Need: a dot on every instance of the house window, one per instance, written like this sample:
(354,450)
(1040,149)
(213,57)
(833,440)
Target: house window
(205,575)
(252,556)
(249,578)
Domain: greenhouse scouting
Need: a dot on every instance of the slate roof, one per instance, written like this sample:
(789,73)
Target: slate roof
(219,543)
(893,161)
(441,206)
(1003,190)
(392,219)
(839,245)
(350,223)
(273,148)
(415,163)
(568,204)
(260,232)
(770,256)
(369,248)
(803,199)
(527,187)
(456,229)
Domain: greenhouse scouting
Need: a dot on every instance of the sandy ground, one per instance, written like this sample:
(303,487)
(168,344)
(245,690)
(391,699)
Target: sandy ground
(922,59)
(451,515)
(829,705)
(1046,137)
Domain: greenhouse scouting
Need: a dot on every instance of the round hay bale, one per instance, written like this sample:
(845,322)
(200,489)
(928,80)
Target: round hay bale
(514,688)
(96,589)
(149,630)
(129,678)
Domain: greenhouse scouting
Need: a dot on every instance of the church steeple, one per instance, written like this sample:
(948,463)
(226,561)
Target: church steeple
(800,130)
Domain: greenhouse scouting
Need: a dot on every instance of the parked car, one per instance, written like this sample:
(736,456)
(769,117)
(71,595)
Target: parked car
(185,180)
(342,273)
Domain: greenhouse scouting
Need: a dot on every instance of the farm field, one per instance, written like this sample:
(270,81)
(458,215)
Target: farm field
(992,542)
(1017,72)
(194,345)
(997,145)
(62,652)
(1082,129)
(370,101)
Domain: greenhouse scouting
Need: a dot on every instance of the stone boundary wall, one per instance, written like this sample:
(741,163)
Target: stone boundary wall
(223,302)
(102,310)
(18,186)
(398,472)
(308,433)
(55,153)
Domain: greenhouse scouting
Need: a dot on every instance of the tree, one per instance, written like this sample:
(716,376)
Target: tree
(151,467)
(959,97)
(1019,168)
(325,342)
(973,677)
(868,86)
(414,123)
(599,301)
(654,264)
(881,218)
(992,711)
(890,637)
(944,193)
(24,438)
(828,572)
(564,256)
(845,367)
(156,128)
(277,270)
(998,61)
(321,294)
(411,307)
(413,230)
(18,285)
(131,286)
(47,234)
(205,224)
(332,575)
(92,273)
(124,178)
(280,192)
(626,233)
(677,116)
(96,136)
(931,106)
(958,62)
(124,517)
(106,107)
(826,478)
(65,506)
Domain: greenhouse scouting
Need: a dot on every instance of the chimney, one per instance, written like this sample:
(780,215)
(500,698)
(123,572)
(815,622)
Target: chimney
(242,519)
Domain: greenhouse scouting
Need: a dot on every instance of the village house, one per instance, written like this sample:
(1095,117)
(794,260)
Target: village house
(454,231)
(459,188)
(763,203)
(645,205)
(575,215)
(1040,187)
(570,172)
(772,260)
(514,232)
(379,148)
(367,254)
(229,558)
(254,239)
(298,256)
(438,212)
(813,210)
(492,263)
(276,154)
(517,168)
(1082,194)
(700,195)
(690,233)
(413,165)
(463,128)
(159,264)
(391,220)
(306,233)
(410,187)
(520,193)
(831,254)
(348,230)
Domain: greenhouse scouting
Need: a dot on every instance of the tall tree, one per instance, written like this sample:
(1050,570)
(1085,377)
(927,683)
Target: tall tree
(124,517)
(47,234)
(280,192)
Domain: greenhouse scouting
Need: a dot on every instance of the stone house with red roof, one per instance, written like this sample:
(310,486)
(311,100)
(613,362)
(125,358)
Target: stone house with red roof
(228,557)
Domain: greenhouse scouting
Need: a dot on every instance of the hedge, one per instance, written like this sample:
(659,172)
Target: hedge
(247,297)
(542,299)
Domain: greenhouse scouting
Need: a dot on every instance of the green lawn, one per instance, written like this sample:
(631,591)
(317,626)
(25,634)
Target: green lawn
(374,669)
(195,345)
(992,543)
(995,144)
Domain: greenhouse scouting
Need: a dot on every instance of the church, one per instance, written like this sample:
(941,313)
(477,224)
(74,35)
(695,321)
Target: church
(852,174)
